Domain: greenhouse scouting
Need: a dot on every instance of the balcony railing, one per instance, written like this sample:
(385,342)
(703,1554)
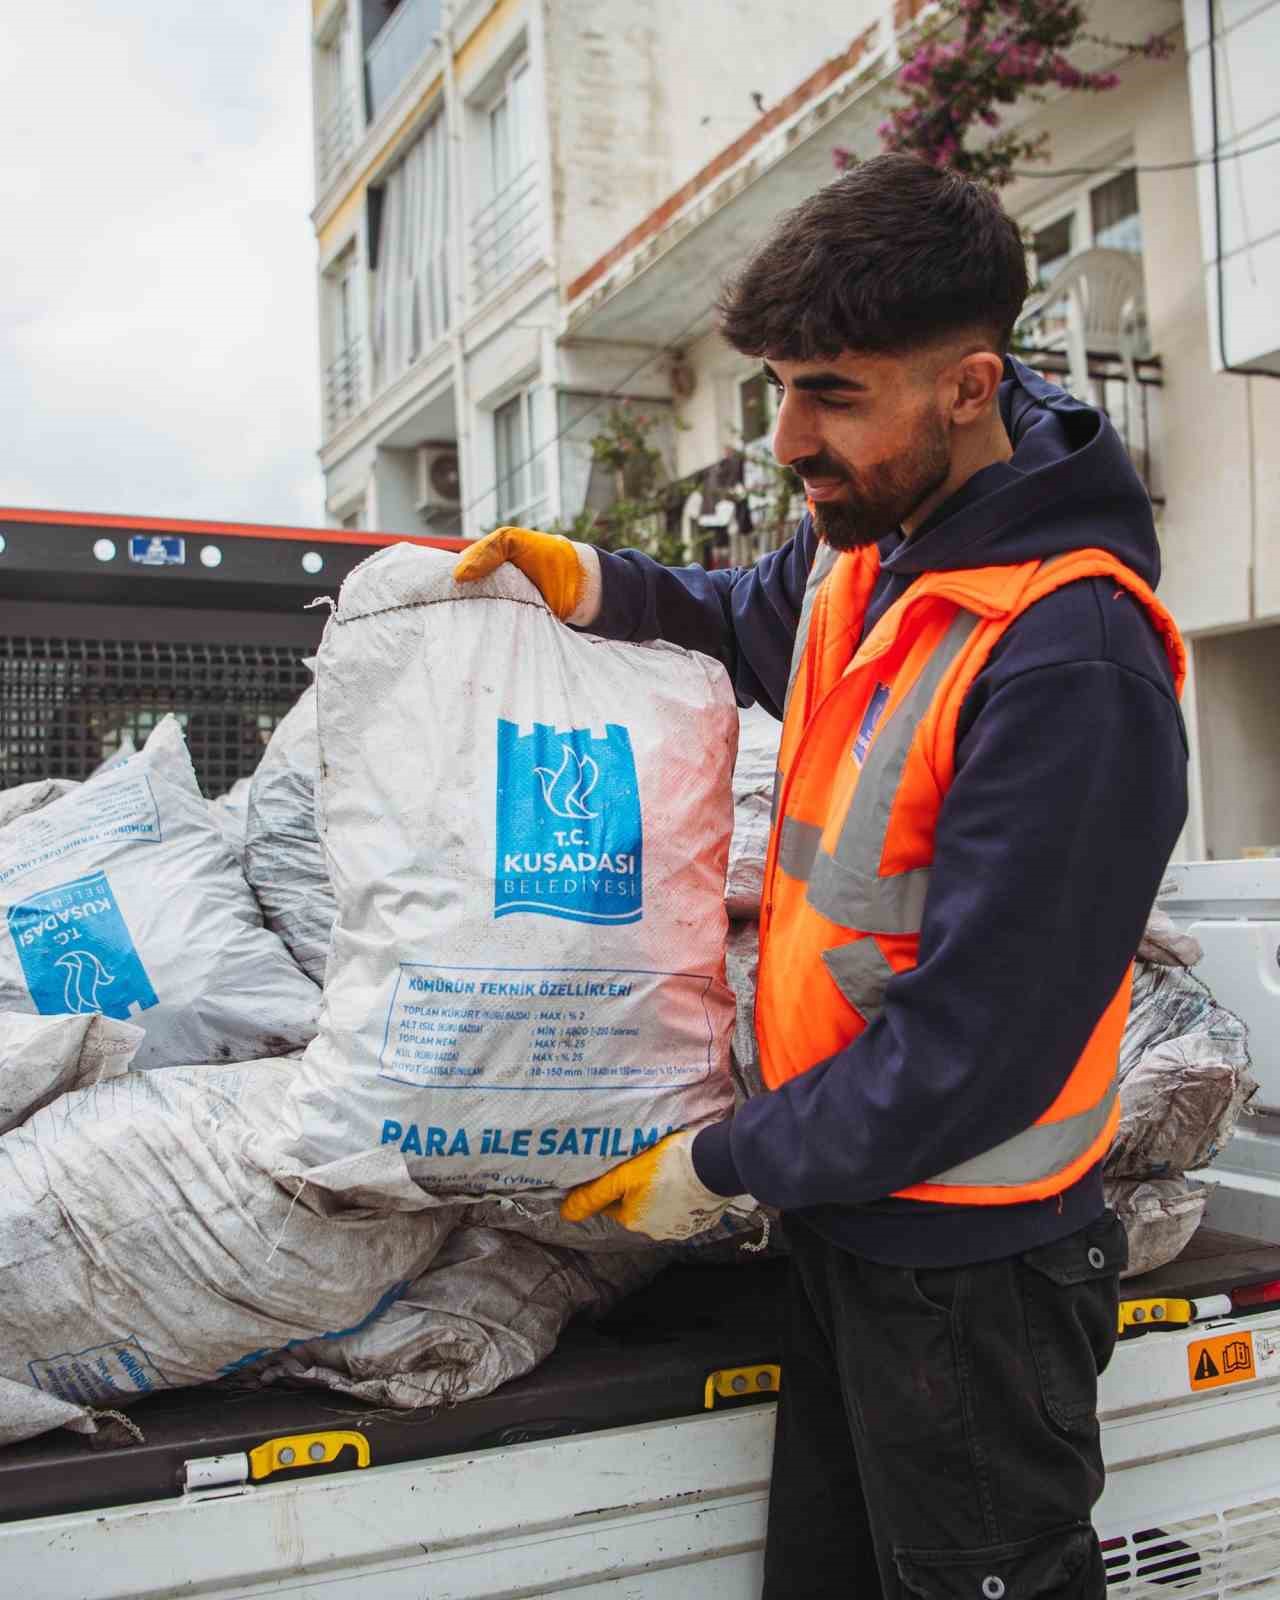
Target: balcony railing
(1132,405)
(397,49)
(505,233)
(336,136)
(342,387)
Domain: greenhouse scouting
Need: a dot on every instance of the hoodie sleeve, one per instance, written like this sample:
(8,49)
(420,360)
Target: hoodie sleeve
(744,616)
(1068,797)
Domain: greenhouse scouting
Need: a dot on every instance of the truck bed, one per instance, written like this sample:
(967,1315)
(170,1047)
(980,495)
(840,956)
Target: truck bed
(647,1361)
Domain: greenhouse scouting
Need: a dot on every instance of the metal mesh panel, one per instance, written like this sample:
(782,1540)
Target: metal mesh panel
(66,704)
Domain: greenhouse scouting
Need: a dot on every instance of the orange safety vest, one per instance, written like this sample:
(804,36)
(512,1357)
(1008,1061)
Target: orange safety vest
(867,757)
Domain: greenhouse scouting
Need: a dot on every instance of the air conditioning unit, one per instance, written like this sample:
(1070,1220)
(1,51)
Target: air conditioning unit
(439,483)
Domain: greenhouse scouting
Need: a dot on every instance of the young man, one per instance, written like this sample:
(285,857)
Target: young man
(982,775)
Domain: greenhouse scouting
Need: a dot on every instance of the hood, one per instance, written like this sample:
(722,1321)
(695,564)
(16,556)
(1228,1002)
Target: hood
(1069,486)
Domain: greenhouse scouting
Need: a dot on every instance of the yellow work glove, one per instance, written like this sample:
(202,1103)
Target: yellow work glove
(551,563)
(657,1193)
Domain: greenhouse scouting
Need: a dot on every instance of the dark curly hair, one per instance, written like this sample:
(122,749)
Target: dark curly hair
(893,256)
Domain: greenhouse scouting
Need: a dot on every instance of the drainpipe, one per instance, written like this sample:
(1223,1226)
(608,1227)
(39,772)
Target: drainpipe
(455,133)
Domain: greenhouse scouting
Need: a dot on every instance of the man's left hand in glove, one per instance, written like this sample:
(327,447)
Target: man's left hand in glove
(656,1193)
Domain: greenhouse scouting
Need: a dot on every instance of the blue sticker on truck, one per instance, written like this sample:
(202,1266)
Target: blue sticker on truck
(77,952)
(569,834)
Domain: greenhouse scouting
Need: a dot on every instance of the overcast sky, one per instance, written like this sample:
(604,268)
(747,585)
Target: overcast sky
(157,286)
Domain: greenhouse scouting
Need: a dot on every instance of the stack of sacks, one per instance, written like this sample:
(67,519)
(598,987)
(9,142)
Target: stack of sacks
(156,1230)
(145,1243)
(119,896)
(150,1240)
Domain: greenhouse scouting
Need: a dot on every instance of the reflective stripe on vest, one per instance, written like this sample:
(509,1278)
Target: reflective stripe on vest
(853,906)
(848,886)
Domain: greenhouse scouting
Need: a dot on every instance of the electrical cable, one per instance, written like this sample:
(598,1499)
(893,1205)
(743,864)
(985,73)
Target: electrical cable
(1155,166)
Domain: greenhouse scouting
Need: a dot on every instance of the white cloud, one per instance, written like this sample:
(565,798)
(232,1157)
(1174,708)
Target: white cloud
(157,272)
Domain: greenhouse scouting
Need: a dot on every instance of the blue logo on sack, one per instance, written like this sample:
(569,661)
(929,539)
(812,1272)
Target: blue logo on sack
(77,953)
(570,837)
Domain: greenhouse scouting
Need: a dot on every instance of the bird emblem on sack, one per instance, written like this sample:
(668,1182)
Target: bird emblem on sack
(85,978)
(565,790)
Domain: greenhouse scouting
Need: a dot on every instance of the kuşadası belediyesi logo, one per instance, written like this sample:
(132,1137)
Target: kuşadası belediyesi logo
(570,833)
(77,953)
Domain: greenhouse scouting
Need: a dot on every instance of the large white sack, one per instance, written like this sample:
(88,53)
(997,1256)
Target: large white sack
(44,1057)
(120,897)
(526,831)
(490,1307)
(284,859)
(144,1245)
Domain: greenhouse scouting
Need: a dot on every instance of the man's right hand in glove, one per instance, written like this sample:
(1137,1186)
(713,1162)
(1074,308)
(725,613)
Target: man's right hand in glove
(565,573)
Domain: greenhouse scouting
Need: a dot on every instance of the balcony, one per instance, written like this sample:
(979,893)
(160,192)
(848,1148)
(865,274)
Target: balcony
(342,386)
(336,136)
(505,233)
(397,48)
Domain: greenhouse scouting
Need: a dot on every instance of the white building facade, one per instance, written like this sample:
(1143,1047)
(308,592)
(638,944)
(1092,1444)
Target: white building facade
(472,159)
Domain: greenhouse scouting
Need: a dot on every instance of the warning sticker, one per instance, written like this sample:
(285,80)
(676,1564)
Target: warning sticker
(1211,1363)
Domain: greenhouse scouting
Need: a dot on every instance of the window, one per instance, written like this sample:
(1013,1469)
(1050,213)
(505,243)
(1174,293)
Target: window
(1113,211)
(1052,246)
(411,259)
(1103,215)
(505,232)
(521,475)
(509,130)
(343,345)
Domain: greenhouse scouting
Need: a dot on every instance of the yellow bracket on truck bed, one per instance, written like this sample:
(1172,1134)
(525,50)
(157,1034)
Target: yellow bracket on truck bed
(305,1450)
(732,1383)
(1140,1316)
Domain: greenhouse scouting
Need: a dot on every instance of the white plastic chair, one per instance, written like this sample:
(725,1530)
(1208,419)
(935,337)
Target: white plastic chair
(1106,312)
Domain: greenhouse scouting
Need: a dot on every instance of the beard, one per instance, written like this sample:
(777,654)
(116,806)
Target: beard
(880,498)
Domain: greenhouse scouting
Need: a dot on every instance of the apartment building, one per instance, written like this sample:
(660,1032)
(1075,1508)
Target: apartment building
(472,160)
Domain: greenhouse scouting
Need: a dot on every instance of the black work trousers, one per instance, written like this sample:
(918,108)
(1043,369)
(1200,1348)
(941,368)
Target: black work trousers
(937,1427)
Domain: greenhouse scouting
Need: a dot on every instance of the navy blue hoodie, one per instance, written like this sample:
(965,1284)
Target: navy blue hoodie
(1068,797)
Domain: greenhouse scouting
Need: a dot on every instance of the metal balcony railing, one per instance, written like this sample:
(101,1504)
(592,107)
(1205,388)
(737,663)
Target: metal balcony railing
(336,136)
(342,387)
(397,49)
(505,233)
(1134,406)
